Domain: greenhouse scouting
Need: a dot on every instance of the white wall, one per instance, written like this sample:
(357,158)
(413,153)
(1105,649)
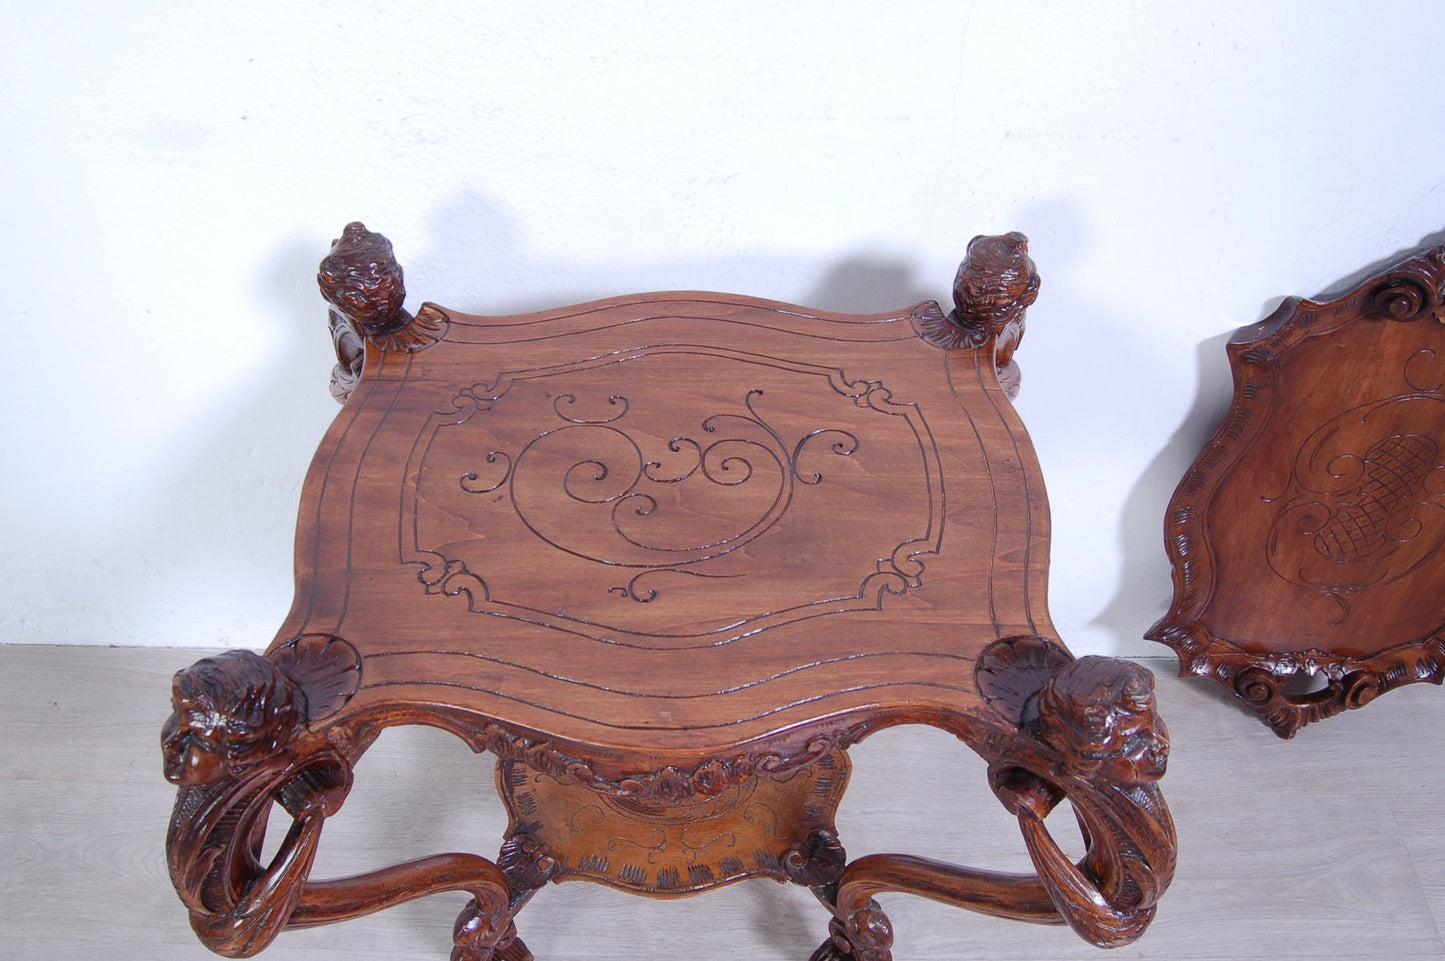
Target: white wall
(169,177)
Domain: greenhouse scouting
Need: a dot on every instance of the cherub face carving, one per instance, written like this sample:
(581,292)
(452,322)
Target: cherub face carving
(230,712)
(362,279)
(996,276)
(1100,714)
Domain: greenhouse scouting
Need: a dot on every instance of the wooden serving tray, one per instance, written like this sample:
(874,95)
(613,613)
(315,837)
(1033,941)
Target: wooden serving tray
(1306,537)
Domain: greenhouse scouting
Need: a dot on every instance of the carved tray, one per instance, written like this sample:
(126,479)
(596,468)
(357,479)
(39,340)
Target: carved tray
(1306,537)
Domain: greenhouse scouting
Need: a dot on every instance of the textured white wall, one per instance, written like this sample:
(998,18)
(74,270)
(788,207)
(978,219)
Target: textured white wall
(169,178)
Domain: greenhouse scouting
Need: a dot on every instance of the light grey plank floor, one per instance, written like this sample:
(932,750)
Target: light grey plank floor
(1331,846)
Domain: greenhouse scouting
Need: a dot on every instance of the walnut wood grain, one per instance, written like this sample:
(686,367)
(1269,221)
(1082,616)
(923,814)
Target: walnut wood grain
(667,557)
(1306,538)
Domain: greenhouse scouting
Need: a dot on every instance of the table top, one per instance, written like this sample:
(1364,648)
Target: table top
(675,521)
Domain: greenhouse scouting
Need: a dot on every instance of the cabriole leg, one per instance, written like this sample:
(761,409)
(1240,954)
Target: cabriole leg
(237,744)
(1084,730)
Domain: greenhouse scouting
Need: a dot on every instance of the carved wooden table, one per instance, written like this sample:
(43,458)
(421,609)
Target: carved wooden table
(1306,537)
(667,557)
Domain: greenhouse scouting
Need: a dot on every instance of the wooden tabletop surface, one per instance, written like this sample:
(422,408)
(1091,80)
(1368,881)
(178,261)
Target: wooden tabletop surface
(681,520)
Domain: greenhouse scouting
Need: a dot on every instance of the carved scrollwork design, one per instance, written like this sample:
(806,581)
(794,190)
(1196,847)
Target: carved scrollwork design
(592,474)
(667,785)
(473,483)
(1360,688)
(565,407)
(817,862)
(653,506)
(598,465)
(1257,687)
(1413,290)
(527,864)
(1267,694)
(1403,298)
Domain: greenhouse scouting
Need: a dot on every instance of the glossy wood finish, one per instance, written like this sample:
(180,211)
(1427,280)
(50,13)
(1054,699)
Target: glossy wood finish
(667,557)
(1306,538)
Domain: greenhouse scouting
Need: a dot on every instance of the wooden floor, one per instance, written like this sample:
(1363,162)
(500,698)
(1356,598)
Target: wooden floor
(1331,846)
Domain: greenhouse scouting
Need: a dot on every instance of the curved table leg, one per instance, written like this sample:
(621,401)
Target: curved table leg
(236,745)
(1085,730)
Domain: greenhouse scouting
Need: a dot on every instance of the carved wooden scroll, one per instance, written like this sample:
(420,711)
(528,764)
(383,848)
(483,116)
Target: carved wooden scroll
(1306,538)
(1091,734)
(667,558)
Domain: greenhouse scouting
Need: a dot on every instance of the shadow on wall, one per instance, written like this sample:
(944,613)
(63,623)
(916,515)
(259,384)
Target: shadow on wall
(864,286)
(477,261)
(1143,592)
(240,481)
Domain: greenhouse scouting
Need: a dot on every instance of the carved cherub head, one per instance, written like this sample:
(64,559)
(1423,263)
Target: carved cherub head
(994,287)
(1099,713)
(361,279)
(230,711)
(997,278)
